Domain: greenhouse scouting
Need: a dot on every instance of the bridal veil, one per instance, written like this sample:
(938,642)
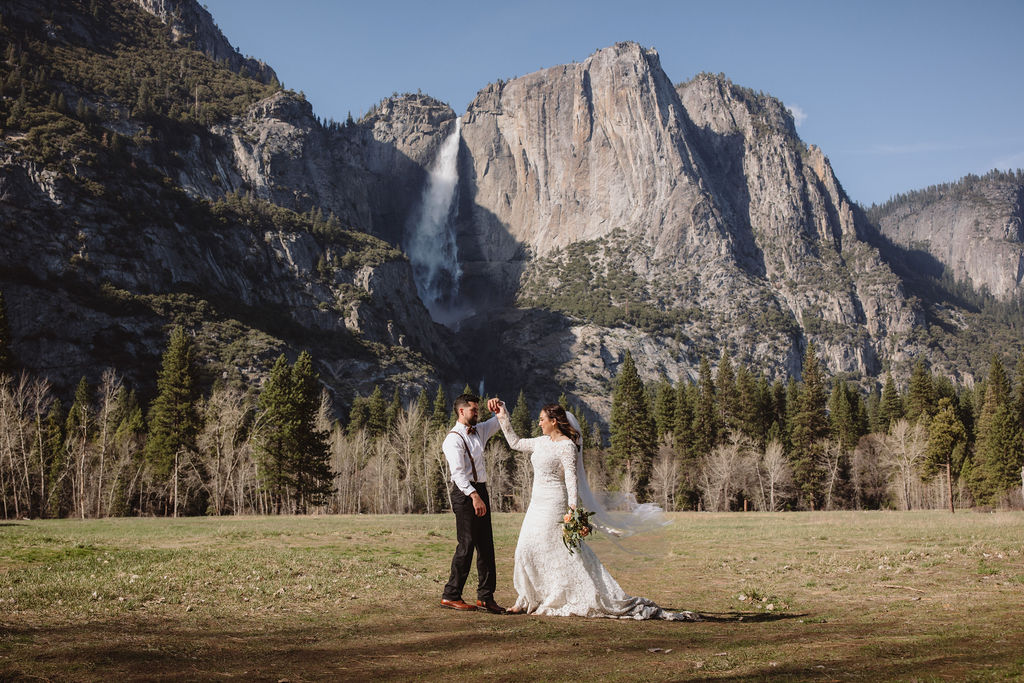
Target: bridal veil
(616,513)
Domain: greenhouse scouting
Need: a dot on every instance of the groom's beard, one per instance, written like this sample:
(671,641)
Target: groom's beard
(473,421)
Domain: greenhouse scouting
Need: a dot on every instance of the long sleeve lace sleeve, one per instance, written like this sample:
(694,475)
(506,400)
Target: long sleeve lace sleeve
(567,455)
(514,442)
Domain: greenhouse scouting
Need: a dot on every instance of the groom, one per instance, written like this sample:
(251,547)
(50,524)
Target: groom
(464,450)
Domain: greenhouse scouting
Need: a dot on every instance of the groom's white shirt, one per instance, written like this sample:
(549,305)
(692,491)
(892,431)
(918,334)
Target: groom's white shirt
(455,453)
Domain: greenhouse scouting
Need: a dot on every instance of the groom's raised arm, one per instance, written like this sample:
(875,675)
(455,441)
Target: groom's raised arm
(488,428)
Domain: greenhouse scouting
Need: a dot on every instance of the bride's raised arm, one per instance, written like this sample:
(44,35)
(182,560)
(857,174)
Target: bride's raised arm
(514,442)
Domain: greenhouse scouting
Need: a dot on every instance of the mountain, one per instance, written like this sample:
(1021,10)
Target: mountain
(973,228)
(674,221)
(128,205)
(151,175)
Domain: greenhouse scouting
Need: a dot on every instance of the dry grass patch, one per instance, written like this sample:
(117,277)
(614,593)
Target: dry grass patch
(830,596)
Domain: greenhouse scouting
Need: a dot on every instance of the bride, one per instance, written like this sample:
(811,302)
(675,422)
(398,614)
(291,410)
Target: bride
(549,579)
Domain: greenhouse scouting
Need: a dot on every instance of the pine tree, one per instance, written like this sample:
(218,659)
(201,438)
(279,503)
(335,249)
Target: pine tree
(665,410)
(310,458)
(728,398)
(274,421)
(792,407)
(633,433)
(18,110)
(6,360)
(999,449)
(891,407)
(947,441)
(810,426)
(439,412)
(844,416)
(683,427)
(423,404)
(394,409)
(778,425)
(967,413)
(705,412)
(58,486)
(1018,392)
(874,403)
(522,424)
(749,406)
(130,434)
(585,430)
(377,419)
(173,417)
(920,401)
(358,415)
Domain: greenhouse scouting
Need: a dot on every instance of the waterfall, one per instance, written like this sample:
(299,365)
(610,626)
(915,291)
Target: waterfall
(430,239)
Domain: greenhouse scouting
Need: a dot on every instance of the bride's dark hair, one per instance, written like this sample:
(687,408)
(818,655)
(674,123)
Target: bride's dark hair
(557,413)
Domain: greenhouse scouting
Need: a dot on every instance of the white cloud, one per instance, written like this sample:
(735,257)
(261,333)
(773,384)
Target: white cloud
(799,115)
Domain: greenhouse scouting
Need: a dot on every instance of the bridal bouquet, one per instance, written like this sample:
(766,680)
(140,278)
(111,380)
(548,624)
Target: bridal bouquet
(575,527)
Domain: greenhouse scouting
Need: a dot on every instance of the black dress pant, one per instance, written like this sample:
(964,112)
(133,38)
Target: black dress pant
(472,533)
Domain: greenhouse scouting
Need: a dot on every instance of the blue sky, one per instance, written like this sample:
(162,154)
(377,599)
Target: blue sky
(899,94)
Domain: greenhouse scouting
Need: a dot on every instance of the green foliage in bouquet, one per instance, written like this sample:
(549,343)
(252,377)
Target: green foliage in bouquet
(575,527)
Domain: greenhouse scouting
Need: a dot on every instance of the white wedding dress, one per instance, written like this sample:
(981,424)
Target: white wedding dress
(549,579)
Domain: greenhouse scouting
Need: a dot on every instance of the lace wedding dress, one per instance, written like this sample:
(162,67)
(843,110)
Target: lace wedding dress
(549,579)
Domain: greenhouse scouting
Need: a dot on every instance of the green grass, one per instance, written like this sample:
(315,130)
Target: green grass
(797,596)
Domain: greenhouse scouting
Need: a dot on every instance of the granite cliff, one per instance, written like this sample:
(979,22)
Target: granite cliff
(974,228)
(720,227)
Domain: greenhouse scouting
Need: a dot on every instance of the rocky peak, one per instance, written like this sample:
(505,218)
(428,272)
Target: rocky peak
(573,152)
(974,228)
(715,102)
(191,23)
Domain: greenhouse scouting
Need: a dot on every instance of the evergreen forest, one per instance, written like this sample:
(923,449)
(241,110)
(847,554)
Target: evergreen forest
(733,440)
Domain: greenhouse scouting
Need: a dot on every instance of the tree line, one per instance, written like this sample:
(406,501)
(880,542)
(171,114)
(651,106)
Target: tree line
(732,441)
(729,441)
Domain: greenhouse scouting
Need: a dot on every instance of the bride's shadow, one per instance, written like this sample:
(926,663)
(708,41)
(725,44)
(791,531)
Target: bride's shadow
(746,617)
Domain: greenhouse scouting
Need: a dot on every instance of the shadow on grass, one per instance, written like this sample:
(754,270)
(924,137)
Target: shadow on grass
(747,617)
(445,645)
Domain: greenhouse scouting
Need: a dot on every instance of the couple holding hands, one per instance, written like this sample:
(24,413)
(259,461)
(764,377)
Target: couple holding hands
(549,579)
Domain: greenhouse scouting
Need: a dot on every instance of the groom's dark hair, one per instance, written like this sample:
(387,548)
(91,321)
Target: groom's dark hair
(464,400)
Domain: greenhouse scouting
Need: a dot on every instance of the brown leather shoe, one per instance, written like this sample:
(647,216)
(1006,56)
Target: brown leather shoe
(490,606)
(457,604)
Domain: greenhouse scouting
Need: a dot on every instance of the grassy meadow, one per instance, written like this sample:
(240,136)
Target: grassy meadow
(837,596)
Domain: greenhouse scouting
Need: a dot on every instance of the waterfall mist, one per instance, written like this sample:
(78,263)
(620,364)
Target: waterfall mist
(430,237)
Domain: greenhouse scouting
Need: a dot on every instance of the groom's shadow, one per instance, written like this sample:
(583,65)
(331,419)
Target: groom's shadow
(746,617)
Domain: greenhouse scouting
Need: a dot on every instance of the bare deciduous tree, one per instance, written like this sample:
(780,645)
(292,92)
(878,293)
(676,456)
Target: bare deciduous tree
(774,475)
(830,458)
(904,449)
(665,475)
(225,450)
(721,472)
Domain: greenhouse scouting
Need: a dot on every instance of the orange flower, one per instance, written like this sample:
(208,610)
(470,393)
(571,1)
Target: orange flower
(567,518)
(584,531)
